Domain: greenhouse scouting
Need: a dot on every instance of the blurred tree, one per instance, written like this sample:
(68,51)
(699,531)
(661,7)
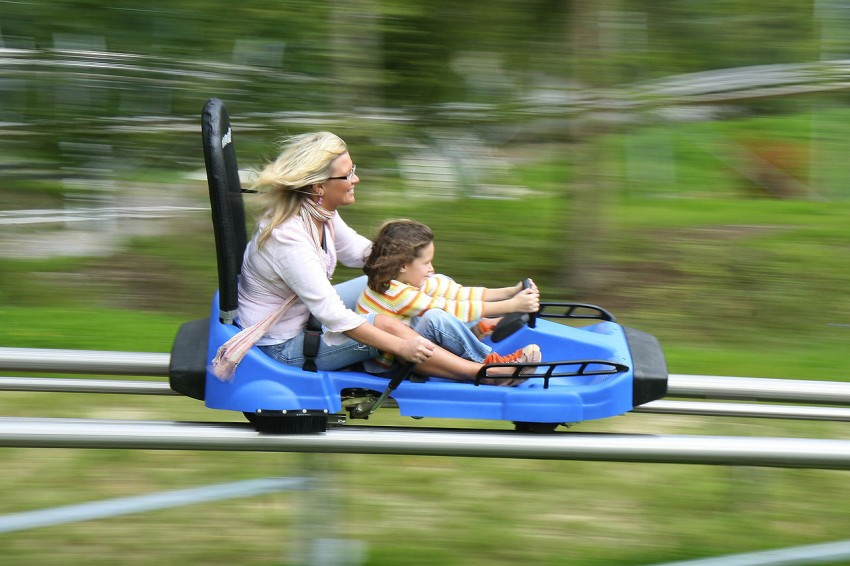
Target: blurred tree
(537,62)
(358,54)
(592,39)
(417,45)
(696,35)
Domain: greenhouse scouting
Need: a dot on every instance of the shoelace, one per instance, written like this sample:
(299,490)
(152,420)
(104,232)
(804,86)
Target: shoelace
(494,358)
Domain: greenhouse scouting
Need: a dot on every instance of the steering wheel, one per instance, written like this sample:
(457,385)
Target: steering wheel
(512,322)
(532,316)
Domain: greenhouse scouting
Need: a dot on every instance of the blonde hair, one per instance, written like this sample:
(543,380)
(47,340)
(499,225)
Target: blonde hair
(304,160)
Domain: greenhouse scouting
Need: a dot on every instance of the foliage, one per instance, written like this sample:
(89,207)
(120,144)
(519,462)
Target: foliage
(711,265)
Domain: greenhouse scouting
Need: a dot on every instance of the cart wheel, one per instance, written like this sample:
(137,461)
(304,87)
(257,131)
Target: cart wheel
(293,423)
(537,428)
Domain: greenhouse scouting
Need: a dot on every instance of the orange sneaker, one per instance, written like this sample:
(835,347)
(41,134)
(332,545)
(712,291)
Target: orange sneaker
(529,354)
(485,327)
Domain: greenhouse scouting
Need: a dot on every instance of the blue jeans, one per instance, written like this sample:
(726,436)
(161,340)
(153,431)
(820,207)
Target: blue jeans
(436,325)
(328,358)
(452,334)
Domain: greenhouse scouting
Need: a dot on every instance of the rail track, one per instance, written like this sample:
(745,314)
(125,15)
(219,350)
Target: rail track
(741,397)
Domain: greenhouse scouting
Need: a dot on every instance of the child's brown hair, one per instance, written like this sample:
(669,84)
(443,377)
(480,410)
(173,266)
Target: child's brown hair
(398,242)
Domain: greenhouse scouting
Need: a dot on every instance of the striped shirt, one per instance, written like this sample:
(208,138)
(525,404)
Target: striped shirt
(439,292)
(405,301)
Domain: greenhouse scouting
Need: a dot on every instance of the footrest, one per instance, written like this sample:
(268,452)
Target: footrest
(575,368)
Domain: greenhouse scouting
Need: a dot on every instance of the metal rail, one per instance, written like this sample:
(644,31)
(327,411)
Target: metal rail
(759,389)
(109,508)
(693,386)
(674,449)
(74,385)
(101,362)
(746,410)
(83,433)
(837,552)
(665,407)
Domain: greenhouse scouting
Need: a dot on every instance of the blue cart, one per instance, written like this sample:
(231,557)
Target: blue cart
(592,367)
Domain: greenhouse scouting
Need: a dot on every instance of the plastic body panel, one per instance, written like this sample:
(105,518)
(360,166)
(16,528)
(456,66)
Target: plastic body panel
(261,383)
(650,366)
(187,365)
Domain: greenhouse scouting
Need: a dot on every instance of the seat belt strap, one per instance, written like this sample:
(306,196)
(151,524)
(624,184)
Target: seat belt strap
(312,336)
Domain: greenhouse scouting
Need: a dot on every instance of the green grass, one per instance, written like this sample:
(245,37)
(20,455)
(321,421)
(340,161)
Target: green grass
(733,282)
(416,509)
(91,329)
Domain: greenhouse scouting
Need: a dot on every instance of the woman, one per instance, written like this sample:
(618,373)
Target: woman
(300,238)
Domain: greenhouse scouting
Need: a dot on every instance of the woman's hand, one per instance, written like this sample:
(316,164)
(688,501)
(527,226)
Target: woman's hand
(417,349)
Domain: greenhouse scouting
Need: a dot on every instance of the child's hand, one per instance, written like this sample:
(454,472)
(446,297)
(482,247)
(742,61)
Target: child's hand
(527,300)
(519,286)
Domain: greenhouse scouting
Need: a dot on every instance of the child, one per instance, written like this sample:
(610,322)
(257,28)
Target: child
(402,283)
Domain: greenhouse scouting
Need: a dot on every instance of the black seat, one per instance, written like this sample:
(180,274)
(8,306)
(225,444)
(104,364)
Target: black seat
(228,213)
(187,367)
